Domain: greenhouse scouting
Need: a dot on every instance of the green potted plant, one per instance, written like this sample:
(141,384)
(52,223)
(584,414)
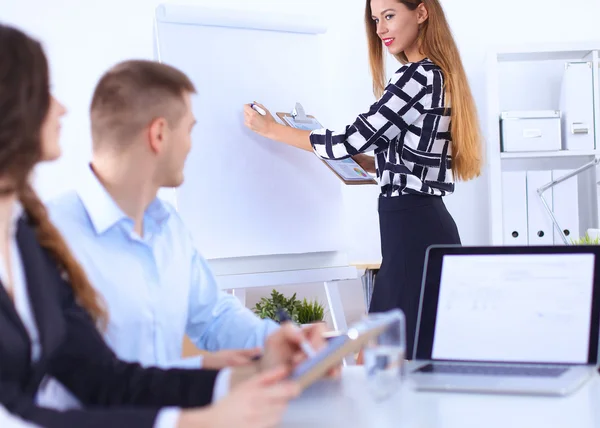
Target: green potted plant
(310,312)
(267,307)
(586,240)
(301,312)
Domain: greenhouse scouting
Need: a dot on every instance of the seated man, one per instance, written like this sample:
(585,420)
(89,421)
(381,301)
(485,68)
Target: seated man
(134,247)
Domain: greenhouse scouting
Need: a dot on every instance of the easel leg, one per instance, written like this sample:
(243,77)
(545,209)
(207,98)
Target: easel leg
(337,310)
(335,306)
(240,293)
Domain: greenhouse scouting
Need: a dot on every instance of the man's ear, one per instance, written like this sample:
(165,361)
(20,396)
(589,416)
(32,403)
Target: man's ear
(157,134)
(422,13)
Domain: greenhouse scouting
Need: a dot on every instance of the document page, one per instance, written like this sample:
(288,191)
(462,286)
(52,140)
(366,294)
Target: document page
(305,126)
(349,169)
(522,308)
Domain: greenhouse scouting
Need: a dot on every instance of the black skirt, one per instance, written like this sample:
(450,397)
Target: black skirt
(408,225)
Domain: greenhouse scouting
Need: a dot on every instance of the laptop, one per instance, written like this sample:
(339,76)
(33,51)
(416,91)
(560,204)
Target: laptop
(518,320)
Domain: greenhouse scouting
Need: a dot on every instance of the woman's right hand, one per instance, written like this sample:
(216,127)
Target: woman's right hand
(259,402)
(257,122)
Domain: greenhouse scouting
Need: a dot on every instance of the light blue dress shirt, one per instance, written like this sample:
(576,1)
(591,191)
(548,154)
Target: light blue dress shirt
(157,287)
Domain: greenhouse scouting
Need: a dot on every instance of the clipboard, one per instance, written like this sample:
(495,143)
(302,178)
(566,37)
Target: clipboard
(348,170)
(357,336)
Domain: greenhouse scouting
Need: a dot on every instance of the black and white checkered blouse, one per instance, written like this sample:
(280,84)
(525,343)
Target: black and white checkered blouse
(408,128)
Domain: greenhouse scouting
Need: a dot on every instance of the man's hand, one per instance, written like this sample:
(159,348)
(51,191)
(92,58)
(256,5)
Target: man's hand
(229,358)
(283,347)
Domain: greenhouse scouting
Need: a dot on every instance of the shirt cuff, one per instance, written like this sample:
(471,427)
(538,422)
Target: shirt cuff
(222,384)
(168,417)
(183,363)
(190,362)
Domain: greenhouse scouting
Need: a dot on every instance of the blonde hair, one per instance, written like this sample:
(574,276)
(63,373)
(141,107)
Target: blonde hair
(436,43)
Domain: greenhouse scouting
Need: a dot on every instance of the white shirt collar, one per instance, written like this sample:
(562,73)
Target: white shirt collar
(102,208)
(19,284)
(17,213)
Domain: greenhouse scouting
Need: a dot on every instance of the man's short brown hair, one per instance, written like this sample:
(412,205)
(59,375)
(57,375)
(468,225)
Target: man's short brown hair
(132,94)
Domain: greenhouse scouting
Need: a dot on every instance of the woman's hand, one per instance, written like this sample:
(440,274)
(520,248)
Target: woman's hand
(259,402)
(258,123)
(366,162)
(266,126)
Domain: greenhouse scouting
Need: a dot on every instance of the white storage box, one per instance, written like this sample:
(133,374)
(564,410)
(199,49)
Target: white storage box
(530,131)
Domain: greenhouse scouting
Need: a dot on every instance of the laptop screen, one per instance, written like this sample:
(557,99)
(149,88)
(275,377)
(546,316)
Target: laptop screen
(534,308)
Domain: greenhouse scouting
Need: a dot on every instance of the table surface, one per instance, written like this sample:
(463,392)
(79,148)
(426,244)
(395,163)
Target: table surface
(366,265)
(347,402)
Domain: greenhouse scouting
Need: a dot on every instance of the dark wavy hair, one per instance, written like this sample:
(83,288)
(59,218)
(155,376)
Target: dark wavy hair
(24,104)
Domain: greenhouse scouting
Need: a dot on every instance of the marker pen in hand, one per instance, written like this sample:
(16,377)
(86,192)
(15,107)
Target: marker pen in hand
(284,317)
(258,109)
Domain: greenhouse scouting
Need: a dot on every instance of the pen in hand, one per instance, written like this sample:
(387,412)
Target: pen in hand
(258,109)
(284,317)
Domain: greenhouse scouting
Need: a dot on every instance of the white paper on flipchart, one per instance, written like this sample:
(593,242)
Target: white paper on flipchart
(538,219)
(565,201)
(244,195)
(240,17)
(514,207)
(310,125)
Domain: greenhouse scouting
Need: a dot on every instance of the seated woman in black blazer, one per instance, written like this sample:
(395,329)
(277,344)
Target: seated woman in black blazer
(50,314)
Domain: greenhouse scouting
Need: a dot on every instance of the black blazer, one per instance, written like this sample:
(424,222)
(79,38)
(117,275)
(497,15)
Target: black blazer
(114,393)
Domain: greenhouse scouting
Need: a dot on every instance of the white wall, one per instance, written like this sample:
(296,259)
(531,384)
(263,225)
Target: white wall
(84,38)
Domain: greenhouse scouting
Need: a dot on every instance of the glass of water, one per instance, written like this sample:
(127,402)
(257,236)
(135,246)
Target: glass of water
(385,355)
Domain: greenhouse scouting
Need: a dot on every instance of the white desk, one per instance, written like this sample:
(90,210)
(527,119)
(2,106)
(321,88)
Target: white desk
(346,403)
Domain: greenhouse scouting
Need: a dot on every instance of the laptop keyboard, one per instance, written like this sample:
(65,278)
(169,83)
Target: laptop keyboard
(493,370)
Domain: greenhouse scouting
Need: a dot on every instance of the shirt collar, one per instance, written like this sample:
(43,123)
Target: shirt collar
(102,209)
(17,213)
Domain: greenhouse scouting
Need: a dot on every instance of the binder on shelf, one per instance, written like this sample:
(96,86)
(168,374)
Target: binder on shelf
(565,205)
(577,106)
(514,208)
(540,226)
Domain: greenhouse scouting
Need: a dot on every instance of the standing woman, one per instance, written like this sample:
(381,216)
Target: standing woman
(424,133)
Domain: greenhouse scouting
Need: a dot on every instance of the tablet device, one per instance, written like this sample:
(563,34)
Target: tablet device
(339,347)
(348,170)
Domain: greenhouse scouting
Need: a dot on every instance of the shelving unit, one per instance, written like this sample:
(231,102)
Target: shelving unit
(528,78)
(541,155)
